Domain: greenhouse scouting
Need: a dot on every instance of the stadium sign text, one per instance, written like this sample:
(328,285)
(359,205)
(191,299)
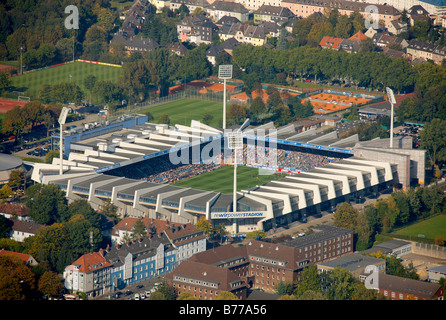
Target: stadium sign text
(238,215)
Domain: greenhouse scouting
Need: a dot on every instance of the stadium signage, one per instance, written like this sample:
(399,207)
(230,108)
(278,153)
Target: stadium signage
(238,215)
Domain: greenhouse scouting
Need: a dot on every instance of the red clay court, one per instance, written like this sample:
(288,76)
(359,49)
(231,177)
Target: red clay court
(329,102)
(7,104)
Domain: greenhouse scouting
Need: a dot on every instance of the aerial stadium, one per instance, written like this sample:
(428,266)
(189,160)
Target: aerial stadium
(165,172)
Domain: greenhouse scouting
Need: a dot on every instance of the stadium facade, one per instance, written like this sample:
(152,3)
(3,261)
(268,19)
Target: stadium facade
(114,165)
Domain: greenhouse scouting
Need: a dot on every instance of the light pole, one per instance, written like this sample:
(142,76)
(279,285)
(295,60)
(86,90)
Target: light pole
(21,64)
(392,101)
(224,72)
(235,142)
(62,119)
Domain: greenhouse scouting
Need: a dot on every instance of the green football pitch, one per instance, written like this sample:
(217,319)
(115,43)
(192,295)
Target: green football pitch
(184,110)
(430,228)
(31,82)
(222,179)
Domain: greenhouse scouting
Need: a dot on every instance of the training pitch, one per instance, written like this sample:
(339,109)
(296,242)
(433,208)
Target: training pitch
(31,82)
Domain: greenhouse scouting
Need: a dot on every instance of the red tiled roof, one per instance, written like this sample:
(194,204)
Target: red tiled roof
(330,42)
(22,256)
(90,262)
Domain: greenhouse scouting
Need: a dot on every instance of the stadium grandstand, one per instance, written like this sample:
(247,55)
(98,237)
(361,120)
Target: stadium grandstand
(133,165)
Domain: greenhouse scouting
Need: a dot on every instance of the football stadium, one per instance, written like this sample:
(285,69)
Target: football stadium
(183,173)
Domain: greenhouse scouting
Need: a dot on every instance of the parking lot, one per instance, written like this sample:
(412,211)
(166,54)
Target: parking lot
(138,291)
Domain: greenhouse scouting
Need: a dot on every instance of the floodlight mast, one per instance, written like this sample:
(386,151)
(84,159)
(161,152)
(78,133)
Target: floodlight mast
(62,119)
(224,72)
(392,101)
(235,142)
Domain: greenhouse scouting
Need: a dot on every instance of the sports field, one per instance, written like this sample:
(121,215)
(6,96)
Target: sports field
(31,82)
(222,179)
(184,110)
(430,228)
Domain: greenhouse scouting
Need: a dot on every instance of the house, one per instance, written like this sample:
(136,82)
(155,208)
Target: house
(355,263)
(20,230)
(89,274)
(272,13)
(206,281)
(190,4)
(328,42)
(427,51)
(224,48)
(398,288)
(417,13)
(397,26)
(219,9)
(253,5)
(14,211)
(227,20)
(135,43)
(350,46)
(178,48)
(197,29)
(358,36)
(385,40)
(26,258)
(305,8)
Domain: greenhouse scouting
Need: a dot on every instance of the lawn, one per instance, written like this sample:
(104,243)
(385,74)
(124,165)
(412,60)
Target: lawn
(31,82)
(222,179)
(184,110)
(430,228)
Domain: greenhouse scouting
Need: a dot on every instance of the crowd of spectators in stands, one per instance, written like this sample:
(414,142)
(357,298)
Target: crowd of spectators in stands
(161,170)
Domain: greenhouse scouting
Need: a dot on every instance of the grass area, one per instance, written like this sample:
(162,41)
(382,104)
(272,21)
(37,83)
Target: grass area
(222,179)
(31,82)
(430,228)
(184,110)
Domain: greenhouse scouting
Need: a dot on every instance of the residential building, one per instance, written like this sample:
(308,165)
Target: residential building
(197,29)
(253,5)
(178,48)
(305,8)
(385,40)
(190,4)
(224,48)
(26,258)
(132,261)
(219,9)
(397,26)
(398,288)
(89,274)
(328,42)
(350,46)
(226,20)
(20,230)
(14,211)
(273,14)
(135,43)
(427,51)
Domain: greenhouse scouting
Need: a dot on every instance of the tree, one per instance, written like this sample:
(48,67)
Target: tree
(15,178)
(139,229)
(17,281)
(433,139)
(205,226)
(257,106)
(110,210)
(89,83)
(46,203)
(164,118)
(13,122)
(207,118)
(83,207)
(226,295)
(309,279)
(49,284)
(236,113)
(284,288)
(345,216)
(4,81)
(340,284)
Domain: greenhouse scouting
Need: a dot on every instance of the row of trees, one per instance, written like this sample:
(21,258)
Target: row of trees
(400,208)
(19,118)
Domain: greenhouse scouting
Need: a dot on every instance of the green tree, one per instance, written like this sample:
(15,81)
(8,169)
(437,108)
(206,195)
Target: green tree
(345,216)
(49,284)
(46,203)
(433,140)
(309,279)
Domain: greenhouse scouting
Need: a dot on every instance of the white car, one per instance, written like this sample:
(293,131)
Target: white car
(136,296)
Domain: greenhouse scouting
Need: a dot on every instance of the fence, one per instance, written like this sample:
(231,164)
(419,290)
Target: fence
(431,250)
